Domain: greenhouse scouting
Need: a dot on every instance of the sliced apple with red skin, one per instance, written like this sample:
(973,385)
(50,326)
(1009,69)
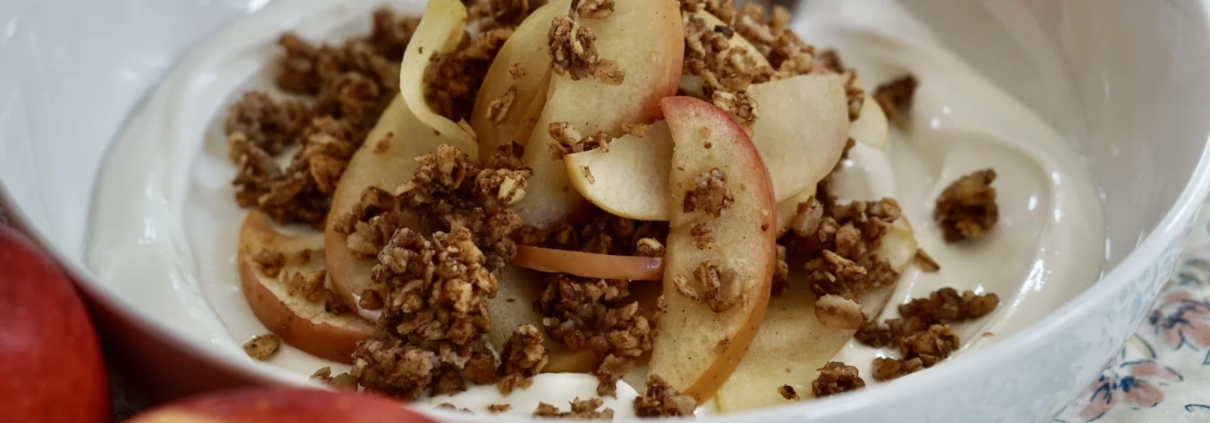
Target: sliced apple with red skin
(645,39)
(801,129)
(793,344)
(302,324)
(590,265)
(631,179)
(387,159)
(698,348)
(513,306)
(871,128)
(523,66)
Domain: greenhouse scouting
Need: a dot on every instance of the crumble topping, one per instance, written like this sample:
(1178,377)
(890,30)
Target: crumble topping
(262,347)
(588,174)
(269,262)
(662,400)
(569,140)
(499,408)
(306,285)
(498,109)
(788,392)
(739,105)
(701,234)
(925,262)
(580,409)
(452,79)
(709,194)
(923,333)
(523,357)
(573,52)
(835,378)
(350,84)
(636,129)
(781,273)
(896,96)
(649,247)
(341,381)
(967,208)
(595,9)
(839,312)
(893,368)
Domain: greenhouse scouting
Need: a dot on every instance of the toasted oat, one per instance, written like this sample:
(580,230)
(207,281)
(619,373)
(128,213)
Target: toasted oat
(925,262)
(523,357)
(710,55)
(930,346)
(269,262)
(635,129)
(595,9)
(839,312)
(896,96)
(262,347)
(836,377)
(649,247)
(739,105)
(788,392)
(611,370)
(893,368)
(720,288)
(498,109)
(340,381)
(499,408)
(710,194)
(662,400)
(580,409)
(967,208)
(588,174)
(306,285)
(701,235)
(572,49)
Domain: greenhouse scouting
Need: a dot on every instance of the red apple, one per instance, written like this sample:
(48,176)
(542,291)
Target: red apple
(590,265)
(49,355)
(283,405)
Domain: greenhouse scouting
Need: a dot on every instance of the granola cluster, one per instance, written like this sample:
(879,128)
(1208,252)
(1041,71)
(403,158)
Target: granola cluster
(922,333)
(452,79)
(836,377)
(523,357)
(967,208)
(896,96)
(349,85)
(580,409)
(662,400)
(603,233)
(573,48)
(262,347)
(569,140)
(709,194)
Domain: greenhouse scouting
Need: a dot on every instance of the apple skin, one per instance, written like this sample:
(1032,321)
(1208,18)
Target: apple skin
(283,405)
(49,354)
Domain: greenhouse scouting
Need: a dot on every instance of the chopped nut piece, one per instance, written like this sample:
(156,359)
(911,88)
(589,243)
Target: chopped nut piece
(895,96)
(662,400)
(967,208)
(499,408)
(710,194)
(269,262)
(925,262)
(836,377)
(580,409)
(262,347)
(788,392)
(839,312)
(893,368)
(595,9)
(498,109)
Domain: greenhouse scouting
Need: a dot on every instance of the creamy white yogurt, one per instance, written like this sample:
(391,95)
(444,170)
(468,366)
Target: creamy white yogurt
(165,224)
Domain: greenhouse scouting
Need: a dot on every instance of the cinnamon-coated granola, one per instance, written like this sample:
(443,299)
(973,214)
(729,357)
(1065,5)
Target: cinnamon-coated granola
(452,79)
(262,347)
(580,409)
(523,357)
(709,194)
(895,96)
(836,377)
(967,208)
(662,400)
(573,50)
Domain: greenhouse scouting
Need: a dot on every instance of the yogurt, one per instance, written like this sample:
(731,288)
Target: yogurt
(165,223)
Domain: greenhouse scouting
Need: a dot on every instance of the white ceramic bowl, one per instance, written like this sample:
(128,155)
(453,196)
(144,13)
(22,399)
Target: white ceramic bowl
(1125,81)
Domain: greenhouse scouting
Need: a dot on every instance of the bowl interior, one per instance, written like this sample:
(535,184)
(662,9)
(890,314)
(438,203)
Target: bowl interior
(1122,80)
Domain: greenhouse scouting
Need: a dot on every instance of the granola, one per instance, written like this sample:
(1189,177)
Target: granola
(580,409)
(662,400)
(262,347)
(523,357)
(896,96)
(835,378)
(709,194)
(967,208)
(452,79)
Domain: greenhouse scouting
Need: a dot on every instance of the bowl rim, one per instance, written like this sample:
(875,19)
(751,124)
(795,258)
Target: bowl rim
(1171,228)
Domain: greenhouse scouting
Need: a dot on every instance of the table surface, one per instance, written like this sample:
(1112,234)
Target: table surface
(1162,375)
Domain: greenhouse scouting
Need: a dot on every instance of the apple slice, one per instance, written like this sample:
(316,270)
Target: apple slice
(691,85)
(304,324)
(801,130)
(589,265)
(699,347)
(645,40)
(631,179)
(871,128)
(513,306)
(793,344)
(440,31)
(787,210)
(523,66)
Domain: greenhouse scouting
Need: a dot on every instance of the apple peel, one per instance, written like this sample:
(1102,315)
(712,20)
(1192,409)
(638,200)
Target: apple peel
(589,265)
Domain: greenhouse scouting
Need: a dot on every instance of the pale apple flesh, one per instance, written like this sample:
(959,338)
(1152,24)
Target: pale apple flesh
(513,306)
(589,265)
(801,130)
(698,348)
(631,179)
(793,344)
(440,31)
(871,128)
(645,39)
(523,66)
(305,325)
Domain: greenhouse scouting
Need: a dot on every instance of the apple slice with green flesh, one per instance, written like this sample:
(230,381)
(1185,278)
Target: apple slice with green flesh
(631,179)
(691,85)
(792,343)
(589,265)
(801,129)
(698,348)
(522,65)
(513,306)
(645,39)
(404,132)
(440,31)
(871,128)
